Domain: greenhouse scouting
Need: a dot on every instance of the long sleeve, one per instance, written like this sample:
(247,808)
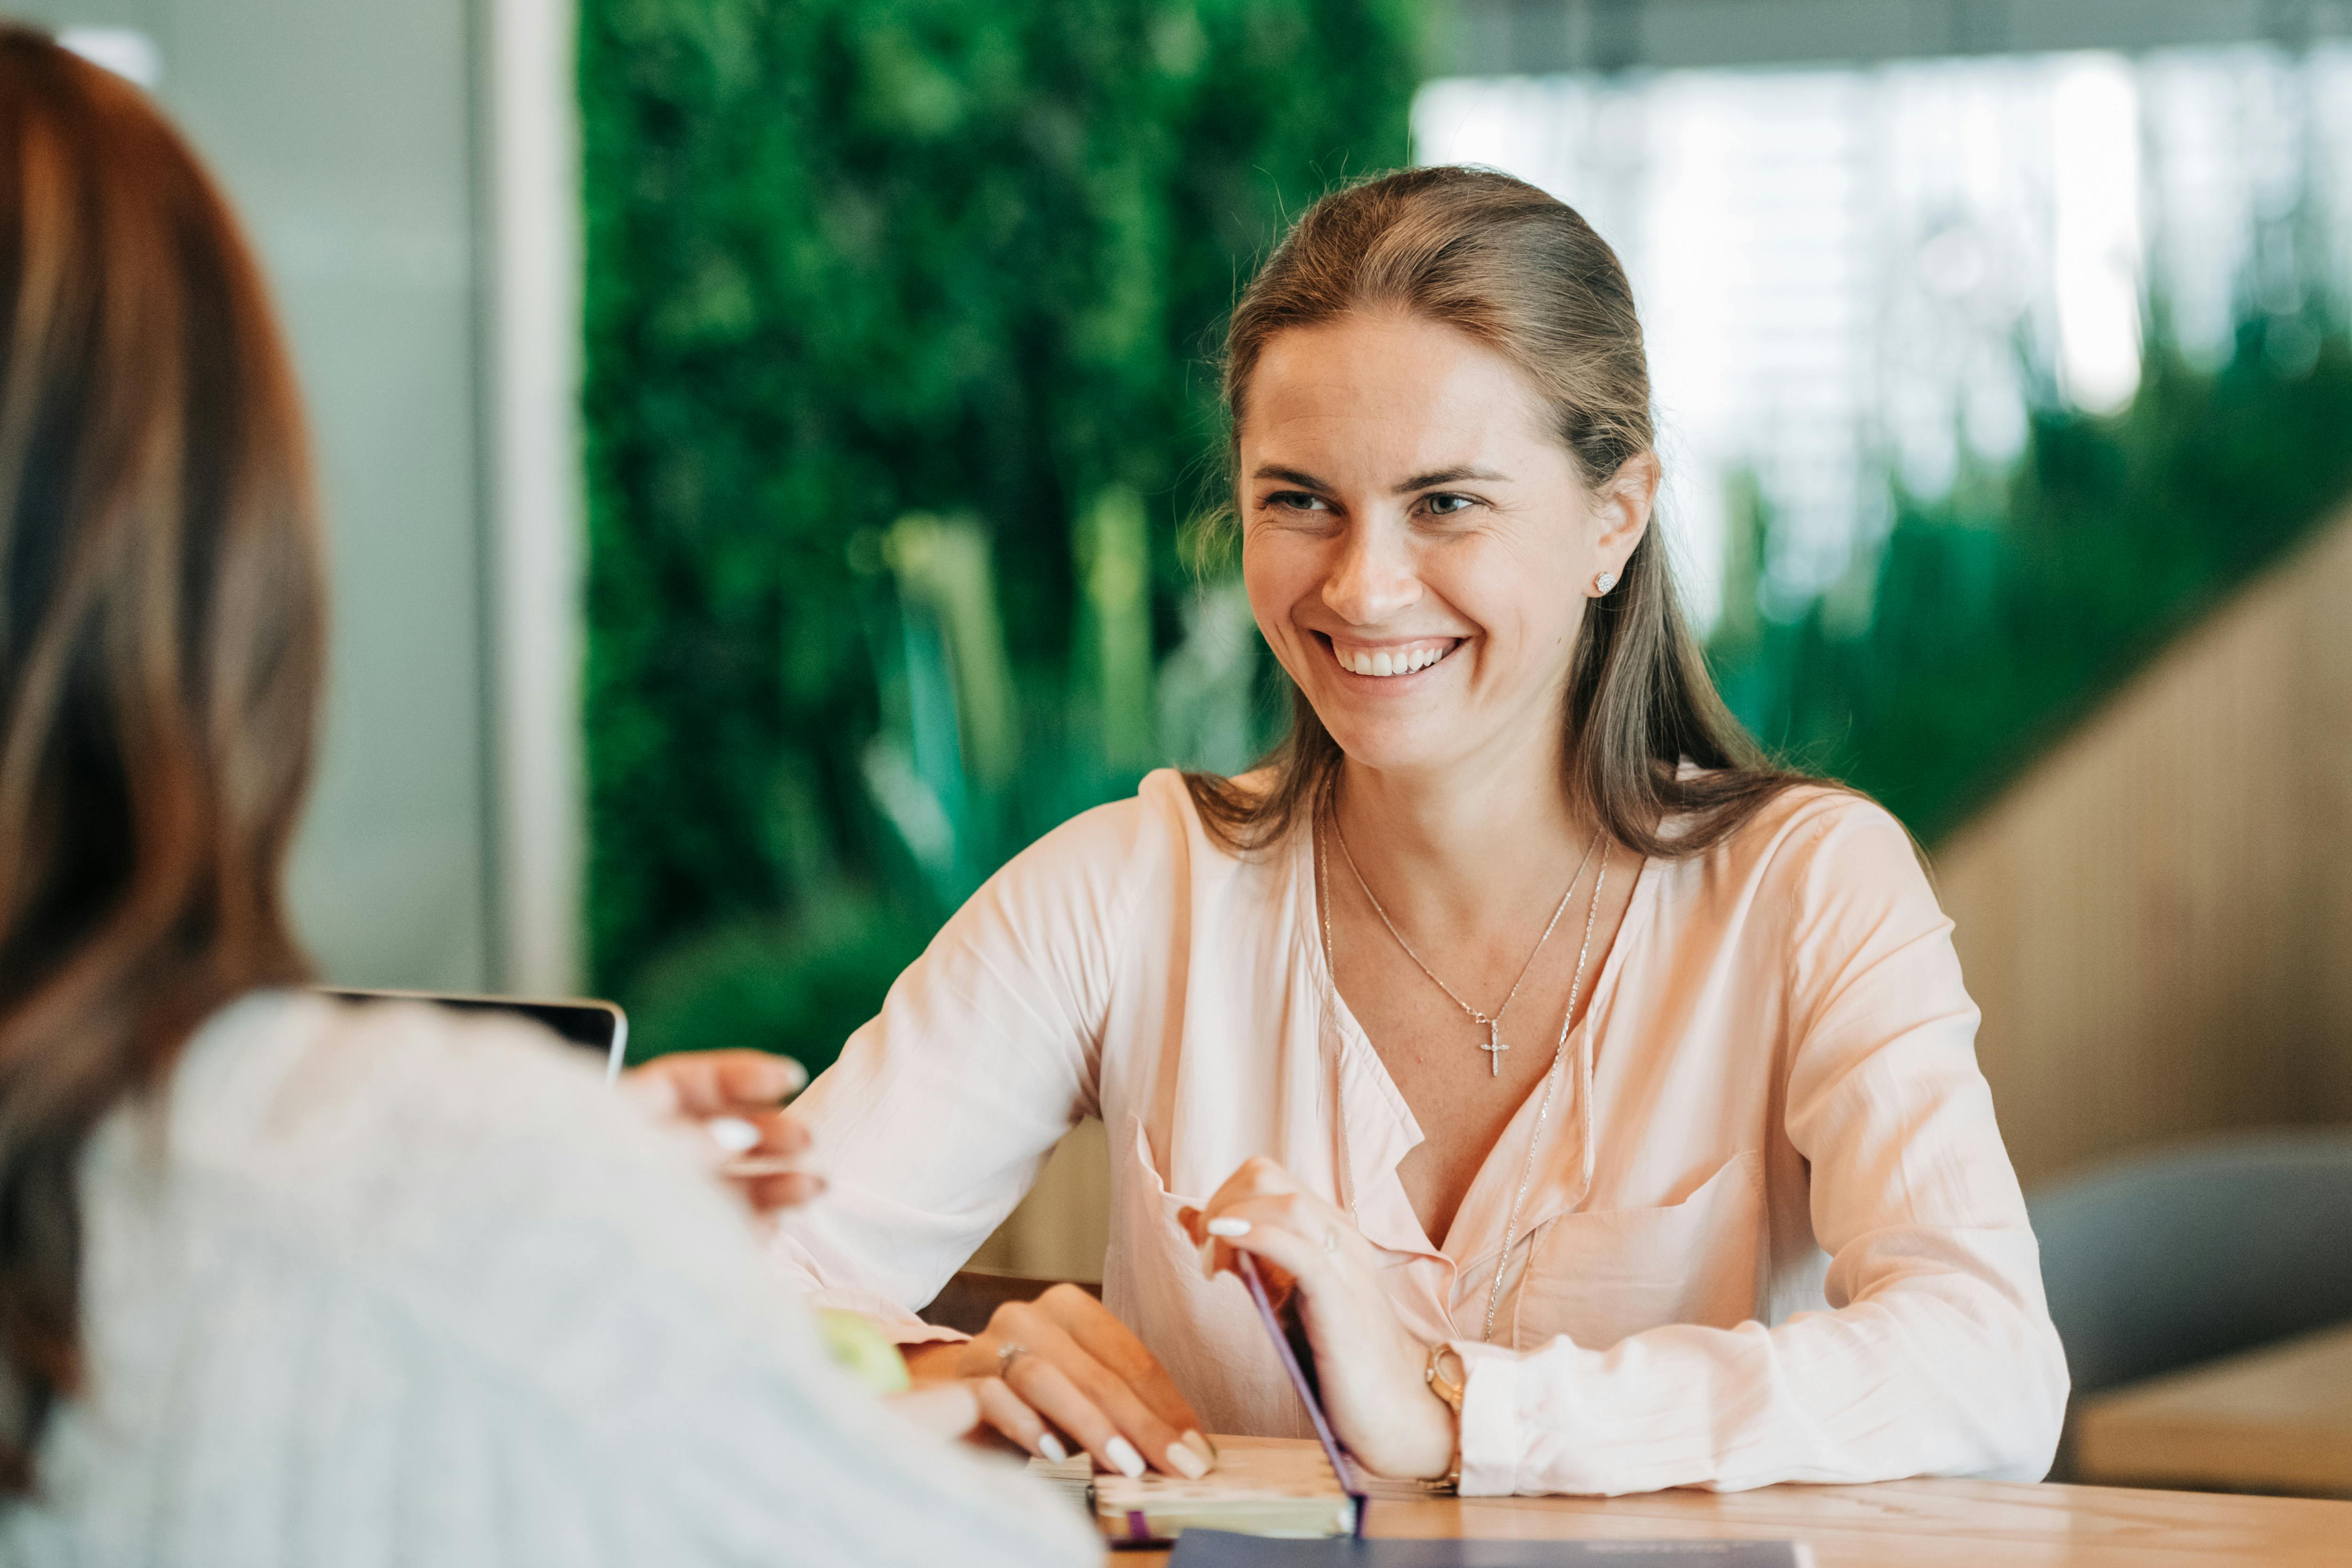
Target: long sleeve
(1937,1356)
(940,1110)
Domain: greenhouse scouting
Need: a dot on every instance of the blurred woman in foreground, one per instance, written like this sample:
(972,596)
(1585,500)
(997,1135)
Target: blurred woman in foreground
(282,1282)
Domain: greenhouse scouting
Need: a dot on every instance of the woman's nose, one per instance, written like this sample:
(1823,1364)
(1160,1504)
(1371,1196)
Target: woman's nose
(1373,579)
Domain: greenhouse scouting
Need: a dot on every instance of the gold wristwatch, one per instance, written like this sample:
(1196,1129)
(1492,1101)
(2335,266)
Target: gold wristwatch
(1450,1387)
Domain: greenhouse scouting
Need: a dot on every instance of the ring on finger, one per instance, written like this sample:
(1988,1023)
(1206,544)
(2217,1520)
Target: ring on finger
(1007,1354)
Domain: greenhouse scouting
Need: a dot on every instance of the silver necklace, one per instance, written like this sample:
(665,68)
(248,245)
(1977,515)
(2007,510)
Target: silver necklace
(1493,1024)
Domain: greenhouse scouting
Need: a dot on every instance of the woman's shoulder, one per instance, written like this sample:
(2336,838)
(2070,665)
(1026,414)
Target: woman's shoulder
(1812,837)
(428,1158)
(1106,889)
(1148,838)
(284,1075)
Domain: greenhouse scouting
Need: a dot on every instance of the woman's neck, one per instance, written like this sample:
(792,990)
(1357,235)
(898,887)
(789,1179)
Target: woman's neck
(1469,849)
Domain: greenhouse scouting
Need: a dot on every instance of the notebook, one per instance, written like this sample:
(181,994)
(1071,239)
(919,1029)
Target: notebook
(1261,1486)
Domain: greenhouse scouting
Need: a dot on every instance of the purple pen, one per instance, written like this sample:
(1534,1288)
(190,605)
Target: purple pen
(1247,1267)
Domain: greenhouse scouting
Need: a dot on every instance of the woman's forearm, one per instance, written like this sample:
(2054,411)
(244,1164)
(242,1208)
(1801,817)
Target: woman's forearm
(1945,1374)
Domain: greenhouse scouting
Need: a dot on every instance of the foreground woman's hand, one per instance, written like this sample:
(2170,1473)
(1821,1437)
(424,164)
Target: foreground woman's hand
(942,1409)
(1369,1366)
(1063,1366)
(738,1095)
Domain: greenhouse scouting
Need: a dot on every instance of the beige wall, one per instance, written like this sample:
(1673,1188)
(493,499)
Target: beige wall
(2158,919)
(1063,1227)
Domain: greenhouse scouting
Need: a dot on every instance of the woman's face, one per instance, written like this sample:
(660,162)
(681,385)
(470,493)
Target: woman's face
(1419,548)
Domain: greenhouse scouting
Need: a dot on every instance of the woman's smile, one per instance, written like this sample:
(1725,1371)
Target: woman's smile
(1387,660)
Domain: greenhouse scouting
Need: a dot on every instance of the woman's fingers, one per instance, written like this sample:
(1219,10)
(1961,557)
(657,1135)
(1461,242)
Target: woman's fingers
(1261,1193)
(1054,1394)
(786,1190)
(1008,1412)
(768,1157)
(718,1083)
(768,1136)
(1254,1177)
(1111,1342)
(1065,1384)
(1298,1239)
(735,1096)
(782,1133)
(713,1081)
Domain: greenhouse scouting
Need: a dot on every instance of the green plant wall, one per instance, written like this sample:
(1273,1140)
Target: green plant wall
(883,294)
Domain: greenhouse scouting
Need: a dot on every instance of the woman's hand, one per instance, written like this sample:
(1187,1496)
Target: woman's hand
(942,1409)
(1063,1366)
(1369,1366)
(738,1097)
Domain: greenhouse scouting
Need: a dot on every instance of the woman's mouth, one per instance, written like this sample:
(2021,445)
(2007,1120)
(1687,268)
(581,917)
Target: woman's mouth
(1390,659)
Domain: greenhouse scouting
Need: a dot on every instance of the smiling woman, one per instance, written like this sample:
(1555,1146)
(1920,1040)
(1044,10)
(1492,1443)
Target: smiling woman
(1520,326)
(1606,1102)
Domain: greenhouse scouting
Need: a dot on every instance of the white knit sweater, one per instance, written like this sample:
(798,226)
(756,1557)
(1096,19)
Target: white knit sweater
(389,1287)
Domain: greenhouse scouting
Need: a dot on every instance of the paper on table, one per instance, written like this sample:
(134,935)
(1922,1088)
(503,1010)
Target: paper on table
(1267,1486)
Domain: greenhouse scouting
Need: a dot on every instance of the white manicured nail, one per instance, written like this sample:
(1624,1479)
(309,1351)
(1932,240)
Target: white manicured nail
(1123,1456)
(1228,1228)
(1203,1446)
(1186,1463)
(732,1133)
(1051,1446)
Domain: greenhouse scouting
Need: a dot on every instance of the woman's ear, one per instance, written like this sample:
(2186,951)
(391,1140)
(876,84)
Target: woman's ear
(1623,508)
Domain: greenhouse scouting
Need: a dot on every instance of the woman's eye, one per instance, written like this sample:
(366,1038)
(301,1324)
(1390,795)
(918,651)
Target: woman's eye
(1446,505)
(1296,500)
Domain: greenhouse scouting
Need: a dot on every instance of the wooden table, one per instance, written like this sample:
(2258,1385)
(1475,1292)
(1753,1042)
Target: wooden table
(1917,1524)
(2277,1419)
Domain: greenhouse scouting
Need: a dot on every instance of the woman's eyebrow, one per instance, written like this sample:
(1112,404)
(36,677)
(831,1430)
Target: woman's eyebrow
(1298,476)
(1453,476)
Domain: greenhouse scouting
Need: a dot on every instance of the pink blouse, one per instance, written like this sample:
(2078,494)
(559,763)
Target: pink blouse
(1802,1256)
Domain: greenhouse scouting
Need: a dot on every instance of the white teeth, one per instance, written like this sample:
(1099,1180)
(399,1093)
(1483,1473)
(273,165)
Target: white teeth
(1379,664)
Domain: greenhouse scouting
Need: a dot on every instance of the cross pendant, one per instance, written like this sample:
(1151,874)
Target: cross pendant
(1494,1047)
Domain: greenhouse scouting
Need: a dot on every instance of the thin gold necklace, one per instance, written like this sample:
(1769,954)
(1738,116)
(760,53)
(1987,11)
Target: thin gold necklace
(1494,1045)
(1543,1111)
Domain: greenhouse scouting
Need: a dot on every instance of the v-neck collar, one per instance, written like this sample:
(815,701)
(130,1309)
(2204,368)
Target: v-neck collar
(1380,1129)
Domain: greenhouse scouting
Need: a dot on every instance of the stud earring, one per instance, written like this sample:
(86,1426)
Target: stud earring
(1606,581)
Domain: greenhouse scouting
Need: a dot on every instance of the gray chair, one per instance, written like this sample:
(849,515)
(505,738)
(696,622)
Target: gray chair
(2167,1259)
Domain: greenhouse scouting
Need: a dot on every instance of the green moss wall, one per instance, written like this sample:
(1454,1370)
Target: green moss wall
(850,260)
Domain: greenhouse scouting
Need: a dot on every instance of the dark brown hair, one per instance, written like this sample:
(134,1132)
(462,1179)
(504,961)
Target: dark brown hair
(1524,275)
(160,655)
